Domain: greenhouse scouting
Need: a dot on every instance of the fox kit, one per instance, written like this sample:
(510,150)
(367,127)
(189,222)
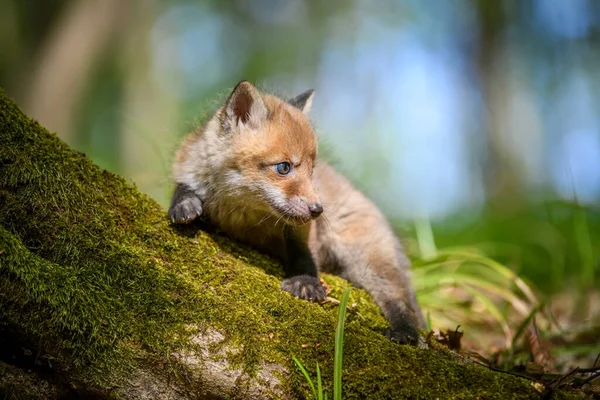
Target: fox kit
(252,170)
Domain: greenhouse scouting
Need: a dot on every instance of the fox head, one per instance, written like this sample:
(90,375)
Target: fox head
(271,155)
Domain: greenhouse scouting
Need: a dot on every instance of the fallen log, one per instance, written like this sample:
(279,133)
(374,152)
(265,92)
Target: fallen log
(101,296)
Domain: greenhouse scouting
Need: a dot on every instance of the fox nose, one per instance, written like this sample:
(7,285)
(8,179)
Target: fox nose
(315,209)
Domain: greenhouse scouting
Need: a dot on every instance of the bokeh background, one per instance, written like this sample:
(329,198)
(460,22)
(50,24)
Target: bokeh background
(474,125)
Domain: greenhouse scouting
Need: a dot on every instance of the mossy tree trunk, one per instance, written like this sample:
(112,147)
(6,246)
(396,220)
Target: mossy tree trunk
(100,295)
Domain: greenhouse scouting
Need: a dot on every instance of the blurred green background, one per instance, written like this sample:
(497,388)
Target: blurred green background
(473,124)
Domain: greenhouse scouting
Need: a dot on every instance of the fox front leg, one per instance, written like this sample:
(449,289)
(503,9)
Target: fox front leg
(185,205)
(383,272)
(303,281)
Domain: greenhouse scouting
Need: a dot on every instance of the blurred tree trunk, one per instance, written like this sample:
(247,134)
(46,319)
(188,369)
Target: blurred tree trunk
(501,177)
(150,111)
(76,42)
(512,119)
(101,297)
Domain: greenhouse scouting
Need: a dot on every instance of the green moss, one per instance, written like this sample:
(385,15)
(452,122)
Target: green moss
(91,269)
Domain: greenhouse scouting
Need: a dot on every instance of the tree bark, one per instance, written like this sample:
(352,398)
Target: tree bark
(101,296)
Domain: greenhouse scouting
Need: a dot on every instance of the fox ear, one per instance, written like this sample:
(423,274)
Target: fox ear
(303,101)
(245,106)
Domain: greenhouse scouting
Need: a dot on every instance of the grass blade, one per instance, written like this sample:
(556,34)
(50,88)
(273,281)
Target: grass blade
(523,325)
(429,321)
(305,373)
(493,310)
(319,383)
(425,239)
(339,347)
(494,265)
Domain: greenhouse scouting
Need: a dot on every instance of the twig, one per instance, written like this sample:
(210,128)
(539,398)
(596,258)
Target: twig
(591,378)
(555,385)
(506,372)
(586,370)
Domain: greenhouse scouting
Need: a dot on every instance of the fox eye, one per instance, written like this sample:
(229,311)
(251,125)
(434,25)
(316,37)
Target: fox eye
(283,168)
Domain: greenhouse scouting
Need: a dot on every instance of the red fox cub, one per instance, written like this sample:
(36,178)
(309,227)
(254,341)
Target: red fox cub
(252,170)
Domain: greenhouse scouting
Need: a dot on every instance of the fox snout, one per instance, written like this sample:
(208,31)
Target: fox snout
(302,201)
(312,206)
(302,209)
(315,209)
(310,201)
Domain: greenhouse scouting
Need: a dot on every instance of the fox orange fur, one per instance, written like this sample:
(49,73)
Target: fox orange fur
(253,171)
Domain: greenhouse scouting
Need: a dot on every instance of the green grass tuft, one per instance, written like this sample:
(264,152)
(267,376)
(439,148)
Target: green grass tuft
(338,356)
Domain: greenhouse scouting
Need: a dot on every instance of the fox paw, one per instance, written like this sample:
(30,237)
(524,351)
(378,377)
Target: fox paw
(305,287)
(184,208)
(405,334)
